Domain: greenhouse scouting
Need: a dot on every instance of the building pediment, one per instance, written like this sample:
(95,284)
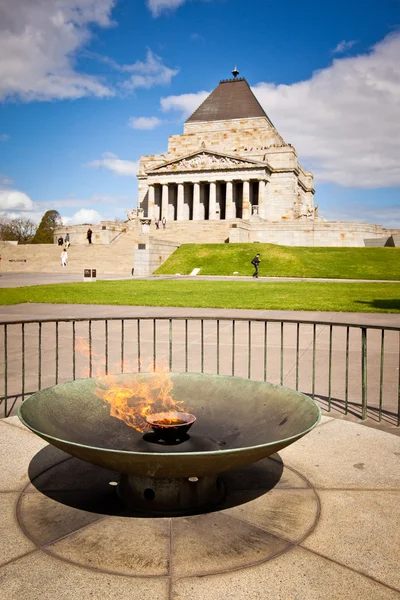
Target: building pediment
(205,161)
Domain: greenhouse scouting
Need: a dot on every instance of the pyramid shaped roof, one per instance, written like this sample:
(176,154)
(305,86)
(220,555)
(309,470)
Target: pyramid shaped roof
(231,99)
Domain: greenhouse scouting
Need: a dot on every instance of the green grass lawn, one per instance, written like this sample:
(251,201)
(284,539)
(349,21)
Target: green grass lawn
(319,296)
(285,261)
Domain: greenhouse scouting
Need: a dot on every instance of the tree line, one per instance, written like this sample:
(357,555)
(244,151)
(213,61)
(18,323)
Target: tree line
(25,231)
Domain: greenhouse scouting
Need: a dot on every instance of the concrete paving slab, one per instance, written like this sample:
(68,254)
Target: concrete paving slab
(341,455)
(42,576)
(13,542)
(17,447)
(360,529)
(288,514)
(297,575)
(216,542)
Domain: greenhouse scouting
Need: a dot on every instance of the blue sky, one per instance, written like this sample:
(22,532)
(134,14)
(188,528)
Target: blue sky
(88,86)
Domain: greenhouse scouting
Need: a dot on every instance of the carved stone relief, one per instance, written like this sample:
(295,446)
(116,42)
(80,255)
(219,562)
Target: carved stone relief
(202,161)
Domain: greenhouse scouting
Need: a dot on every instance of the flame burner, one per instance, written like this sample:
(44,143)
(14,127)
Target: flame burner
(167,471)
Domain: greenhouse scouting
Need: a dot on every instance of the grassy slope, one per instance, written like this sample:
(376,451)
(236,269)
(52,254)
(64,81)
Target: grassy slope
(354,297)
(286,261)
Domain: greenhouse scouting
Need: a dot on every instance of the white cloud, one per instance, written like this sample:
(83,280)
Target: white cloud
(345,120)
(39,40)
(4,137)
(343,46)
(15,200)
(144,122)
(159,6)
(84,215)
(148,73)
(186,104)
(111,161)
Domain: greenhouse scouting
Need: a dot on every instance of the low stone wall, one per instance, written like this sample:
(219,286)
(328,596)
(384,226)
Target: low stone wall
(150,254)
(307,233)
(104,233)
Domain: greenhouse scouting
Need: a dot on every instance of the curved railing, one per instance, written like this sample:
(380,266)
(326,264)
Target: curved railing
(353,369)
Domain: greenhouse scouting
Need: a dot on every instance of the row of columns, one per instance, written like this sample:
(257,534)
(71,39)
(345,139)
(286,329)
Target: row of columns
(212,200)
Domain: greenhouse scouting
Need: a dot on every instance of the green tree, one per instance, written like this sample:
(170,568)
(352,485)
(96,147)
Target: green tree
(45,232)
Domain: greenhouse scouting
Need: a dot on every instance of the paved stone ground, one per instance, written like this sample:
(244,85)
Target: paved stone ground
(319,521)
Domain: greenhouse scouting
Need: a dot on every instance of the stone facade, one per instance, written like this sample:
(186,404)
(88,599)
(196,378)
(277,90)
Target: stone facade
(226,168)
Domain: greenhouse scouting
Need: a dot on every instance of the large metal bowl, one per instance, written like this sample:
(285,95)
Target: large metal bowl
(243,420)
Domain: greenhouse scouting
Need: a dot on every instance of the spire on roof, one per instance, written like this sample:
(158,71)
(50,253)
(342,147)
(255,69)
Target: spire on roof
(235,72)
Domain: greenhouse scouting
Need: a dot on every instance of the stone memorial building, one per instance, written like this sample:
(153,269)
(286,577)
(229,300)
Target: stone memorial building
(229,163)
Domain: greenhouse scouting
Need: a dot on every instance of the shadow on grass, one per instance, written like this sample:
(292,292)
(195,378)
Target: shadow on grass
(390,304)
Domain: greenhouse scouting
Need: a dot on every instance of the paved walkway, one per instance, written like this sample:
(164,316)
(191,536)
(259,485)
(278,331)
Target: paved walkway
(319,521)
(27,279)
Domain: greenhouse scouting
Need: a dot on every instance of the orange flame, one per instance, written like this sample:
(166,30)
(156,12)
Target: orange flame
(134,400)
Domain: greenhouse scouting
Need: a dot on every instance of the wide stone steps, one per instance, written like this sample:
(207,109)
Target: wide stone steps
(187,232)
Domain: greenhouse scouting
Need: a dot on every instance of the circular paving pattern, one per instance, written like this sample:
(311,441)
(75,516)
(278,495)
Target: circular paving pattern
(72,511)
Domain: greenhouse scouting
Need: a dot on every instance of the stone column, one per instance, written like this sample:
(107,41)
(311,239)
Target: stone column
(229,200)
(196,201)
(262,201)
(150,202)
(179,203)
(246,200)
(212,206)
(164,201)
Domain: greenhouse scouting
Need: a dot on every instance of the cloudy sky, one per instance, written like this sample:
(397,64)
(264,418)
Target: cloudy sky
(88,86)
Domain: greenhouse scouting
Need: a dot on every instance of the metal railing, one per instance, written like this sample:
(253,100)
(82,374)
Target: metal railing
(353,369)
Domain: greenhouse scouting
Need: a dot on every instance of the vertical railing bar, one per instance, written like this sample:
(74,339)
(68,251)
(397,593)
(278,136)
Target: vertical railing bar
(233,347)
(154,344)
(381,374)
(202,344)
(90,348)
(23,361)
(330,369)
(297,354)
(5,371)
(398,392)
(40,358)
(364,396)
(73,352)
(265,349)
(281,374)
(122,344)
(346,391)
(57,352)
(186,346)
(138,345)
(106,346)
(217,346)
(249,354)
(313,359)
(170,345)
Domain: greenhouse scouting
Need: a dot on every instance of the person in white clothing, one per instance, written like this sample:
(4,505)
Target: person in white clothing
(64,258)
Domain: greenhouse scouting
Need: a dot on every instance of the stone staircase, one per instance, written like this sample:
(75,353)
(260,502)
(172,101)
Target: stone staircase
(116,258)
(192,232)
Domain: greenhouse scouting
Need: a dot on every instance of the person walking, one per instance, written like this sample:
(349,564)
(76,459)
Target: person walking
(89,235)
(164,222)
(256,261)
(64,258)
(60,241)
(157,224)
(67,241)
